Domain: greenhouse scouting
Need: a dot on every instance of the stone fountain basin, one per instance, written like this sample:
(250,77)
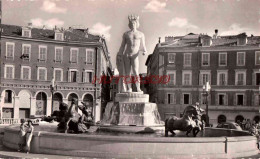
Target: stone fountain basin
(223,143)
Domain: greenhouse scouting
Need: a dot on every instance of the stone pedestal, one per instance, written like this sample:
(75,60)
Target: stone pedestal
(133,97)
(132,109)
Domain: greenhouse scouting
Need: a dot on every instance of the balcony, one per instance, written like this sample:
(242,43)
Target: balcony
(240,83)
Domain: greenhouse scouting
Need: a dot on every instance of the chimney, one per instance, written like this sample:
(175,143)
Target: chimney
(169,38)
(86,33)
(159,40)
(215,36)
(30,25)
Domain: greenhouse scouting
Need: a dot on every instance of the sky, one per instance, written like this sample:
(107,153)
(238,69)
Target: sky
(158,18)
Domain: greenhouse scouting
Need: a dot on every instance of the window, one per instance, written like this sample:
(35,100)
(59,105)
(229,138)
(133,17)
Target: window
(221,99)
(240,77)
(170,98)
(186,98)
(204,77)
(203,98)
(74,55)
(172,75)
(205,59)
(9,72)
(8,96)
(206,42)
(222,78)
(171,57)
(240,99)
(25,72)
(240,58)
(26,33)
(58,74)
(59,36)
(222,59)
(42,53)
(187,59)
(257,78)
(257,58)
(72,75)
(42,74)
(9,50)
(242,41)
(186,76)
(88,77)
(58,54)
(26,51)
(89,56)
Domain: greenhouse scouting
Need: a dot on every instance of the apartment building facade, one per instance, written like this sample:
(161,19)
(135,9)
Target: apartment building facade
(231,65)
(41,68)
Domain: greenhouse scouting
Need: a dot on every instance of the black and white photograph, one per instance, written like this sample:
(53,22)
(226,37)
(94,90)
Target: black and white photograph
(129,79)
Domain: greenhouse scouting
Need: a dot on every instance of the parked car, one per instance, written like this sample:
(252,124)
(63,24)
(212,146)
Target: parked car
(229,125)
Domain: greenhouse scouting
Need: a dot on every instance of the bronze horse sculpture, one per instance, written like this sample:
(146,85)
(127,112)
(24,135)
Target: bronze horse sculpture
(185,123)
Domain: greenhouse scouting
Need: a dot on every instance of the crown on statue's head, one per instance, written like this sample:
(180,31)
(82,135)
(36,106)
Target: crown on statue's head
(133,17)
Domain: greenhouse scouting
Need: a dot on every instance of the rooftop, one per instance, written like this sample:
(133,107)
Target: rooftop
(193,40)
(70,35)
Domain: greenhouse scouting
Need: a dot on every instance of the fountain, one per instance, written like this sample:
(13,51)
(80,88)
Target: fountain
(127,120)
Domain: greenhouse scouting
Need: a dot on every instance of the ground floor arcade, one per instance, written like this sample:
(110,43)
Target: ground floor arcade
(25,103)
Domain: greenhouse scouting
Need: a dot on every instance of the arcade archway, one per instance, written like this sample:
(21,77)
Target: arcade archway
(41,103)
(222,118)
(239,118)
(57,99)
(88,99)
(71,96)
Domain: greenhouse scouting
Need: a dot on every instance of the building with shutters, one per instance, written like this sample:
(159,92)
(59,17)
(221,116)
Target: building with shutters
(231,64)
(38,62)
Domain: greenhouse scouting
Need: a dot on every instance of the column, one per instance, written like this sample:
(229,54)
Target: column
(65,100)
(16,107)
(97,105)
(49,106)
(1,106)
(33,106)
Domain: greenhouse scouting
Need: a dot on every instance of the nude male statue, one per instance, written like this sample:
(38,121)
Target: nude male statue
(127,58)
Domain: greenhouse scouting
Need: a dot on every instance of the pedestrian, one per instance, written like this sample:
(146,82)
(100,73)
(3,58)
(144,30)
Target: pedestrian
(22,135)
(29,135)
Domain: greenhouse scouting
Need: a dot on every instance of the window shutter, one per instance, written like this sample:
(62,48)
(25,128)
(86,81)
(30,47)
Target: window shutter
(226,99)
(174,98)
(83,77)
(245,99)
(166,98)
(182,96)
(69,80)
(235,97)
(256,100)
(253,80)
(77,76)
(216,99)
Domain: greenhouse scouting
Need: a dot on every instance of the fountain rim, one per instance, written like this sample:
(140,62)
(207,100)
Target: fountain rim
(148,139)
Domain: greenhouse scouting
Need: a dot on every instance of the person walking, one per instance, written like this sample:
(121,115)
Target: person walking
(22,135)
(29,135)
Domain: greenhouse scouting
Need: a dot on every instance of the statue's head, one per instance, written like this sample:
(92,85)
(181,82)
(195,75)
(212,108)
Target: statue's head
(133,21)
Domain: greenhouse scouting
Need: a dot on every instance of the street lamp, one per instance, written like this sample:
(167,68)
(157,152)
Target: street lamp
(206,89)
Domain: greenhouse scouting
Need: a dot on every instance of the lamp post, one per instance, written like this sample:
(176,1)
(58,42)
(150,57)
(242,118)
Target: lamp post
(206,89)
